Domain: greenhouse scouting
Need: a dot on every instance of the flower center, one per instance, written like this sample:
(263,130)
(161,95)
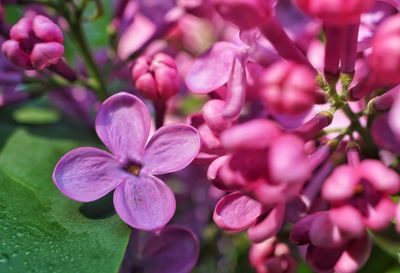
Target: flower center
(359,189)
(134,169)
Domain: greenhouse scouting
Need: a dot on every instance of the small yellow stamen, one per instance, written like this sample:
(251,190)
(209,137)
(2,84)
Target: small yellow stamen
(134,169)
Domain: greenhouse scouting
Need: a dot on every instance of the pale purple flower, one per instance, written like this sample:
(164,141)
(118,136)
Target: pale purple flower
(142,200)
(172,250)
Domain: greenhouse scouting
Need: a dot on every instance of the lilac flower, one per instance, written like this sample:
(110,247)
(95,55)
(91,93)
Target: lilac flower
(142,200)
(172,250)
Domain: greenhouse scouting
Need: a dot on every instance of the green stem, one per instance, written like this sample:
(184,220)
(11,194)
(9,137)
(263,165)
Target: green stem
(94,73)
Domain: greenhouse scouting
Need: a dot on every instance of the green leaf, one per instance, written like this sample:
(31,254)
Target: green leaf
(41,230)
(36,115)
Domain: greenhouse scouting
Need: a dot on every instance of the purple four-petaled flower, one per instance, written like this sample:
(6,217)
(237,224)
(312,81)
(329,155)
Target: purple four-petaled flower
(142,200)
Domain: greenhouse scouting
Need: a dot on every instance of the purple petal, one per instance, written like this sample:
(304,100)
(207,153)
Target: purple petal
(268,227)
(123,124)
(174,250)
(323,259)
(236,212)
(171,149)
(86,174)
(323,233)
(212,70)
(144,202)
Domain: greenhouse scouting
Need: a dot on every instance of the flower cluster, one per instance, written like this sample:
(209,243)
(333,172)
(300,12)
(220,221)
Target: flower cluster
(297,129)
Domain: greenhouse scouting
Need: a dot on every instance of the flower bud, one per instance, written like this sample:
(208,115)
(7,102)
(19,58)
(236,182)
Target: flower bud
(245,14)
(384,60)
(35,43)
(212,114)
(335,12)
(156,78)
(288,88)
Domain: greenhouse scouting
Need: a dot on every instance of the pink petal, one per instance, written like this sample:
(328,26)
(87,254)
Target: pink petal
(288,161)
(268,227)
(381,177)
(123,124)
(355,256)
(236,212)
(211,70)
(255,134)
(45,54)
(394,115)
(348,219)
(86,174)
(144,202)
(171,149)
(323,233)
(46,30)
(16,55)
(236,89)
(20,31)
(174,250)
(340,185)
(381,215)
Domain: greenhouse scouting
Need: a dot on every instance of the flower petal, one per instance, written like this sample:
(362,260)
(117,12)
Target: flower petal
(212,70)
(144,202)
(171,149)
(86,174)
(174,250)
(268,227)
(123,124)
(236,212)
(348,219)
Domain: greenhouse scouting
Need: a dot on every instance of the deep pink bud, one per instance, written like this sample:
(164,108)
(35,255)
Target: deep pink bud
(156,78)
(288,88)
(335,12)
(245,14)
(35,43)
(384,60)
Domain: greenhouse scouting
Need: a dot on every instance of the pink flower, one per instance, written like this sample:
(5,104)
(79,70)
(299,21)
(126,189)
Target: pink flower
(156,77)
(272,256)
(360,196)
(142,200)
(329,249)
(288,88)
(264,162)
(35,43)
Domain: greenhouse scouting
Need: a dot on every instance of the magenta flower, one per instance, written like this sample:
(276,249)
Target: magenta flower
(156,77)
(360,196)
(142,200)
(288,88)
(35,43)
(272,256)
